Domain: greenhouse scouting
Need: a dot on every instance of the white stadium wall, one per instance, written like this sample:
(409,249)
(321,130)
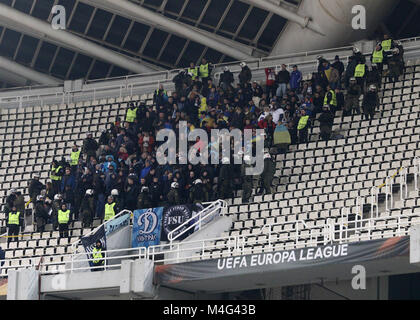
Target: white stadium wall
(334,18)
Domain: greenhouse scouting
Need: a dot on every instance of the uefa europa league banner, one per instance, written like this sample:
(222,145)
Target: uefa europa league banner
(150,226)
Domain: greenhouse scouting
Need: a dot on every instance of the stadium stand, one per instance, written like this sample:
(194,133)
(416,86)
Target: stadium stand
(312,183)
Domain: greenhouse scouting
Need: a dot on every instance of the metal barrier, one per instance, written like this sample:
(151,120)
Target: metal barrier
(302,235)
(127,85)
(76,243)
(199,220)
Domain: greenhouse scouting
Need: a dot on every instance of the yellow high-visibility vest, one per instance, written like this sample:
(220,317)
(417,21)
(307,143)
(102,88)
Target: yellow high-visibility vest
(75,157)
(131,115)
(204,70)
(303,122)
(14,218)
(333,101)
(54,175)
(378,56)
(109,211)
(194,72)
(360,71)
(63,216)
(387,44)
(97,255)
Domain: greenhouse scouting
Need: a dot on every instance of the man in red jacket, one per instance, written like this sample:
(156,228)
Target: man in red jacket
(271,88)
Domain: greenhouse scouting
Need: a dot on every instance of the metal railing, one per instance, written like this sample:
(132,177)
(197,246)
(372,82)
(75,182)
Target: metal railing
(199,220)
(302,235)
(75,244)
(127,85)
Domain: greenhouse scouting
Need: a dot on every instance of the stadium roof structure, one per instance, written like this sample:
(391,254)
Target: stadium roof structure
(111,38)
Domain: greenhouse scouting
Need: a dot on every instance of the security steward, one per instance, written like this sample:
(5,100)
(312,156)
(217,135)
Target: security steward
(131,114)
(98,257)
(331,99)
(193,71)
(360,74)
(303,127)
(110,208)
(204,71)
(378,58)
(74,158)
(55,176)
(63,221)
(14,221)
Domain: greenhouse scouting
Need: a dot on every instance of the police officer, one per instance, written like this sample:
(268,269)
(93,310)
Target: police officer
(56,205)
(326,122)
(117,198)
(87,208)
(352,99)
(144,200)
(226,79)
(246,180)
(394,65)
(35,187)
(197,192)
(111,208)
(90,146)
(41,213)
(63,221)
(268,173)
(399,46)
(224,179)
(10,200)
(374,76)
(14,221)
(98,257)
(370,103)
(173,195)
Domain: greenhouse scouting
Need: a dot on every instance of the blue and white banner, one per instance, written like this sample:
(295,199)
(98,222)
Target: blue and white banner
(89,242)
(147,224)
(115,224)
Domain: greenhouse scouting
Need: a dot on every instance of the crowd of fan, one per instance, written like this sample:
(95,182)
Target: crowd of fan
(120,169)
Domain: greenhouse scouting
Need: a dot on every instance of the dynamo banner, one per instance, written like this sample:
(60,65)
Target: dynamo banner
(89,242)
(147,224)
(116,224)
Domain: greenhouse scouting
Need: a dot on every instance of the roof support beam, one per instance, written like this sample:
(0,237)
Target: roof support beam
(304,22)
(140,14)
(27,73)
(24,23)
